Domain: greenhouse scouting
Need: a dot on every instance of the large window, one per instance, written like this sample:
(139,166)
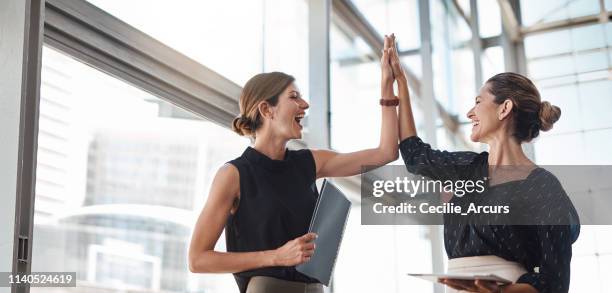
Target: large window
(575,75)
(121,178)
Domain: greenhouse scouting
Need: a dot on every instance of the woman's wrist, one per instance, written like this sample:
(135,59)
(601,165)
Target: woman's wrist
(401,81)
(388,96)
(385,83)
(387,92)
(269,258)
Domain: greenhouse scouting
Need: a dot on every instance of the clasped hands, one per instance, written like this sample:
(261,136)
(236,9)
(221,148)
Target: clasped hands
(391,68)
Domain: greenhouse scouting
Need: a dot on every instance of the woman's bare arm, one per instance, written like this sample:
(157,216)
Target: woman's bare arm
(202,256)
(334,164)
(407,126)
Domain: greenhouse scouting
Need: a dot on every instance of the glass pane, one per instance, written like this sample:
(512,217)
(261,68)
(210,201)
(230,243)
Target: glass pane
(237,38)
(489,18)
(584,270)
(393,16)
(464,82)
(453,66)
(605,270)
(539,45)
(552,67)
(551,10)
(120,184)
(206,31)
(592,61)
(553,149)
(414,64)
(382,250)
(588,37)
(604,236)
(591,263)
(285,40)
(355,91)
(596,101)
(492,62)
(609,32)
(598,145)
(567,98)
(465,5)
(586,243)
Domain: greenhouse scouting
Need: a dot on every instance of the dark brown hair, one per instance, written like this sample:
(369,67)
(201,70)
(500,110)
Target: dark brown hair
(261,87)
(529,114)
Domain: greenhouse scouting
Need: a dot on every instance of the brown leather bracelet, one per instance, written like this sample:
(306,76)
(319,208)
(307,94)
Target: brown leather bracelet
(389,102)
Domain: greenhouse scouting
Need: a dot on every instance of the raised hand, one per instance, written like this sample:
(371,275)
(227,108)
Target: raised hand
(396,65)
(386,70)
(385,63)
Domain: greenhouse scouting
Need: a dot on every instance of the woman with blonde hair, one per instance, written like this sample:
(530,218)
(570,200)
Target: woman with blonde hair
(265,198)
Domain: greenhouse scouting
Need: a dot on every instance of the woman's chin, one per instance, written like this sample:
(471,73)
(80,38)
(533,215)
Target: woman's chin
(474,137)
(297,135)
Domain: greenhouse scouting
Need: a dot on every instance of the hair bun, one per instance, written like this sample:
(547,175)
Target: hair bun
(242,125)
(549,114)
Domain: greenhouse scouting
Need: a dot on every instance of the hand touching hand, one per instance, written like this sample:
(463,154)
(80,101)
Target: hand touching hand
(385,63)
(396,65)
(296,251)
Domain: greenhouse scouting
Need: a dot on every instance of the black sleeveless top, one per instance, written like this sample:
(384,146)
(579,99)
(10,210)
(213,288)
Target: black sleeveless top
(277,199)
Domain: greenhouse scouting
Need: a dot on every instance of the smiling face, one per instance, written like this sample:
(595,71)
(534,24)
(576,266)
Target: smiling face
(487,117)
(284,119)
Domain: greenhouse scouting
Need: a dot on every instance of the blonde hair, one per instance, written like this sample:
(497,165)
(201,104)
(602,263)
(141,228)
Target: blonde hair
(261,87)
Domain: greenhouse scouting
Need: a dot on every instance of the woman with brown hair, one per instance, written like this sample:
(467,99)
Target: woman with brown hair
(534,249)
(265,198)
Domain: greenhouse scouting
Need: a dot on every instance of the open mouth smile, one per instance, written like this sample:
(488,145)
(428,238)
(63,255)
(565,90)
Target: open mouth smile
(298,118)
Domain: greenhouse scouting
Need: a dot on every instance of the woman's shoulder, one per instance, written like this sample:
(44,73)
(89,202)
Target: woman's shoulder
(543,178)
(242,159)
(545,192)
(304,158)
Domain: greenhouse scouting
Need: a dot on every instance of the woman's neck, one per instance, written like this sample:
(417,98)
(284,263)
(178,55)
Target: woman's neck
(505,150)
(274,148)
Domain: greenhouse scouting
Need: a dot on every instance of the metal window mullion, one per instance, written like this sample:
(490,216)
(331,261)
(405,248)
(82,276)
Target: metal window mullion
(319,124)
(430,113)
(476,44)
(28,138)
(427,92)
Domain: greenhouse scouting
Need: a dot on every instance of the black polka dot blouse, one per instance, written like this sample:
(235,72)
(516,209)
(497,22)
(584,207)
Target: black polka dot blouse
(545,250)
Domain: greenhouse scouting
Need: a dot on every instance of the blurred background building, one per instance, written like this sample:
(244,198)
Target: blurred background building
(136,99)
